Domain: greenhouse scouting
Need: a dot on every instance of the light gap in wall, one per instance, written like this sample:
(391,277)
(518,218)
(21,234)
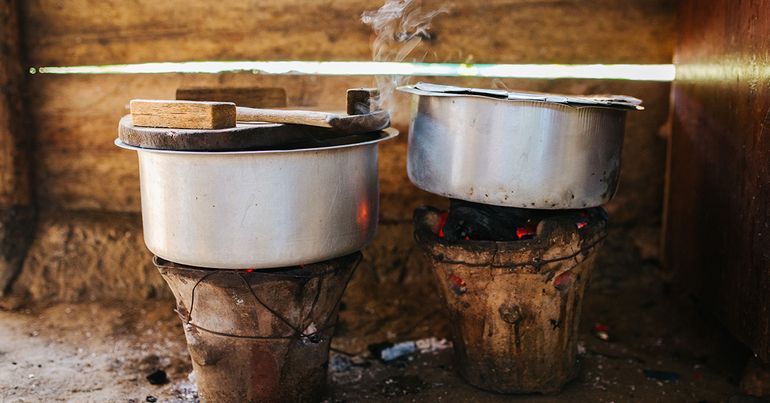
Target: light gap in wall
(637,72)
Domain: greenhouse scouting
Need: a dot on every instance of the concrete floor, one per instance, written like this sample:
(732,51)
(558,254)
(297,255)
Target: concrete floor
(103,351)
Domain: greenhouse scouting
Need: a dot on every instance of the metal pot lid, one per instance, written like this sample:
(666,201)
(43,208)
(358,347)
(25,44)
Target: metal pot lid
(244,137)
(611,101)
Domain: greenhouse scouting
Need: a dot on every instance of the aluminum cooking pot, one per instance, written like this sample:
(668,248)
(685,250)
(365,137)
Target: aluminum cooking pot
(517,149)
(259,209)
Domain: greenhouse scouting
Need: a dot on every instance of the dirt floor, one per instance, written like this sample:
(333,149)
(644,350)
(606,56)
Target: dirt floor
(104,351)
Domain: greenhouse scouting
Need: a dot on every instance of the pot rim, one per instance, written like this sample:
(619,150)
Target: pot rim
(615,102)
(388,134)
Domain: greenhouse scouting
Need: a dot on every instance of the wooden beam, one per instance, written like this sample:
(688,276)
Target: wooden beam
(86,32)
(16,211)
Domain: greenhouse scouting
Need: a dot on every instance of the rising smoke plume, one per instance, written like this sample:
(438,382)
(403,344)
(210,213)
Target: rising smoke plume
(400,26)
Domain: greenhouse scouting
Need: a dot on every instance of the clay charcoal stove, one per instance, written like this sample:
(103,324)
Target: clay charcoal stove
(526,174)
(257,228)
(514,303)
(259,335)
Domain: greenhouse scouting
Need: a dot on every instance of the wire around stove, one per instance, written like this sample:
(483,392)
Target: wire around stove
(313,337)
(537,263)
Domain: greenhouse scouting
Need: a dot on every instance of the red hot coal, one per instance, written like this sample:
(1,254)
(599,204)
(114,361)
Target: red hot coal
(468,221)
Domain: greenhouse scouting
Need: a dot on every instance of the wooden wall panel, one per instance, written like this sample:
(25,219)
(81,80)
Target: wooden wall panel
(718,220)
(14,144)
(90,32)
(79,168)
(16,203)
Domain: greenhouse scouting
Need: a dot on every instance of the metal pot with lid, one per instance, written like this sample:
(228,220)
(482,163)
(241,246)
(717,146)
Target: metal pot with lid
(516,149)
(258,195)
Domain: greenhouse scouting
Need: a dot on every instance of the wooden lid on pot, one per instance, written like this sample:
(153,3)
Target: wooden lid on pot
(244,136)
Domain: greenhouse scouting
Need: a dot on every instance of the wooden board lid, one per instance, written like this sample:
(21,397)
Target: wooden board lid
(245,136)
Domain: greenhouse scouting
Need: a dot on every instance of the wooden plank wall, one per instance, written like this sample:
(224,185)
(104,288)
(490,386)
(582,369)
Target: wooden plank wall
(78,168)
(86,32)
(719,204)
(16,204)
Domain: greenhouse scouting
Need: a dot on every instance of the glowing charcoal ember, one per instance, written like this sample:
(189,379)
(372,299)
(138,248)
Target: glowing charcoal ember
(468,221)
(457,284)
(441,222)
(601,332)
(525,232)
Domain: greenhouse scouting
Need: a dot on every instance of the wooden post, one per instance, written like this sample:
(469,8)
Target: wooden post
(718,212)
(16,204)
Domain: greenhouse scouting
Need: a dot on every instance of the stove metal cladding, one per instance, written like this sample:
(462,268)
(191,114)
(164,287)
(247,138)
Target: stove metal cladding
(526,174)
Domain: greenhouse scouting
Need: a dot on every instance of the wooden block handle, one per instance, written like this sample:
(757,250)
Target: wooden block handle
(362,100)
(182,114)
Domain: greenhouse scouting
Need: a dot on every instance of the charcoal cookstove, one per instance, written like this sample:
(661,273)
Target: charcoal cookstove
(515,305)
(257,230)
(259,335)
(526,174)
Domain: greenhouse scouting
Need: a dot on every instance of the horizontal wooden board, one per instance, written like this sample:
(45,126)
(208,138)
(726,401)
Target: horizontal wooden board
(79,168)
(87,32)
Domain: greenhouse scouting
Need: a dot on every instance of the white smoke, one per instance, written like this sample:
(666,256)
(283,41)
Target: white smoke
(400,26)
